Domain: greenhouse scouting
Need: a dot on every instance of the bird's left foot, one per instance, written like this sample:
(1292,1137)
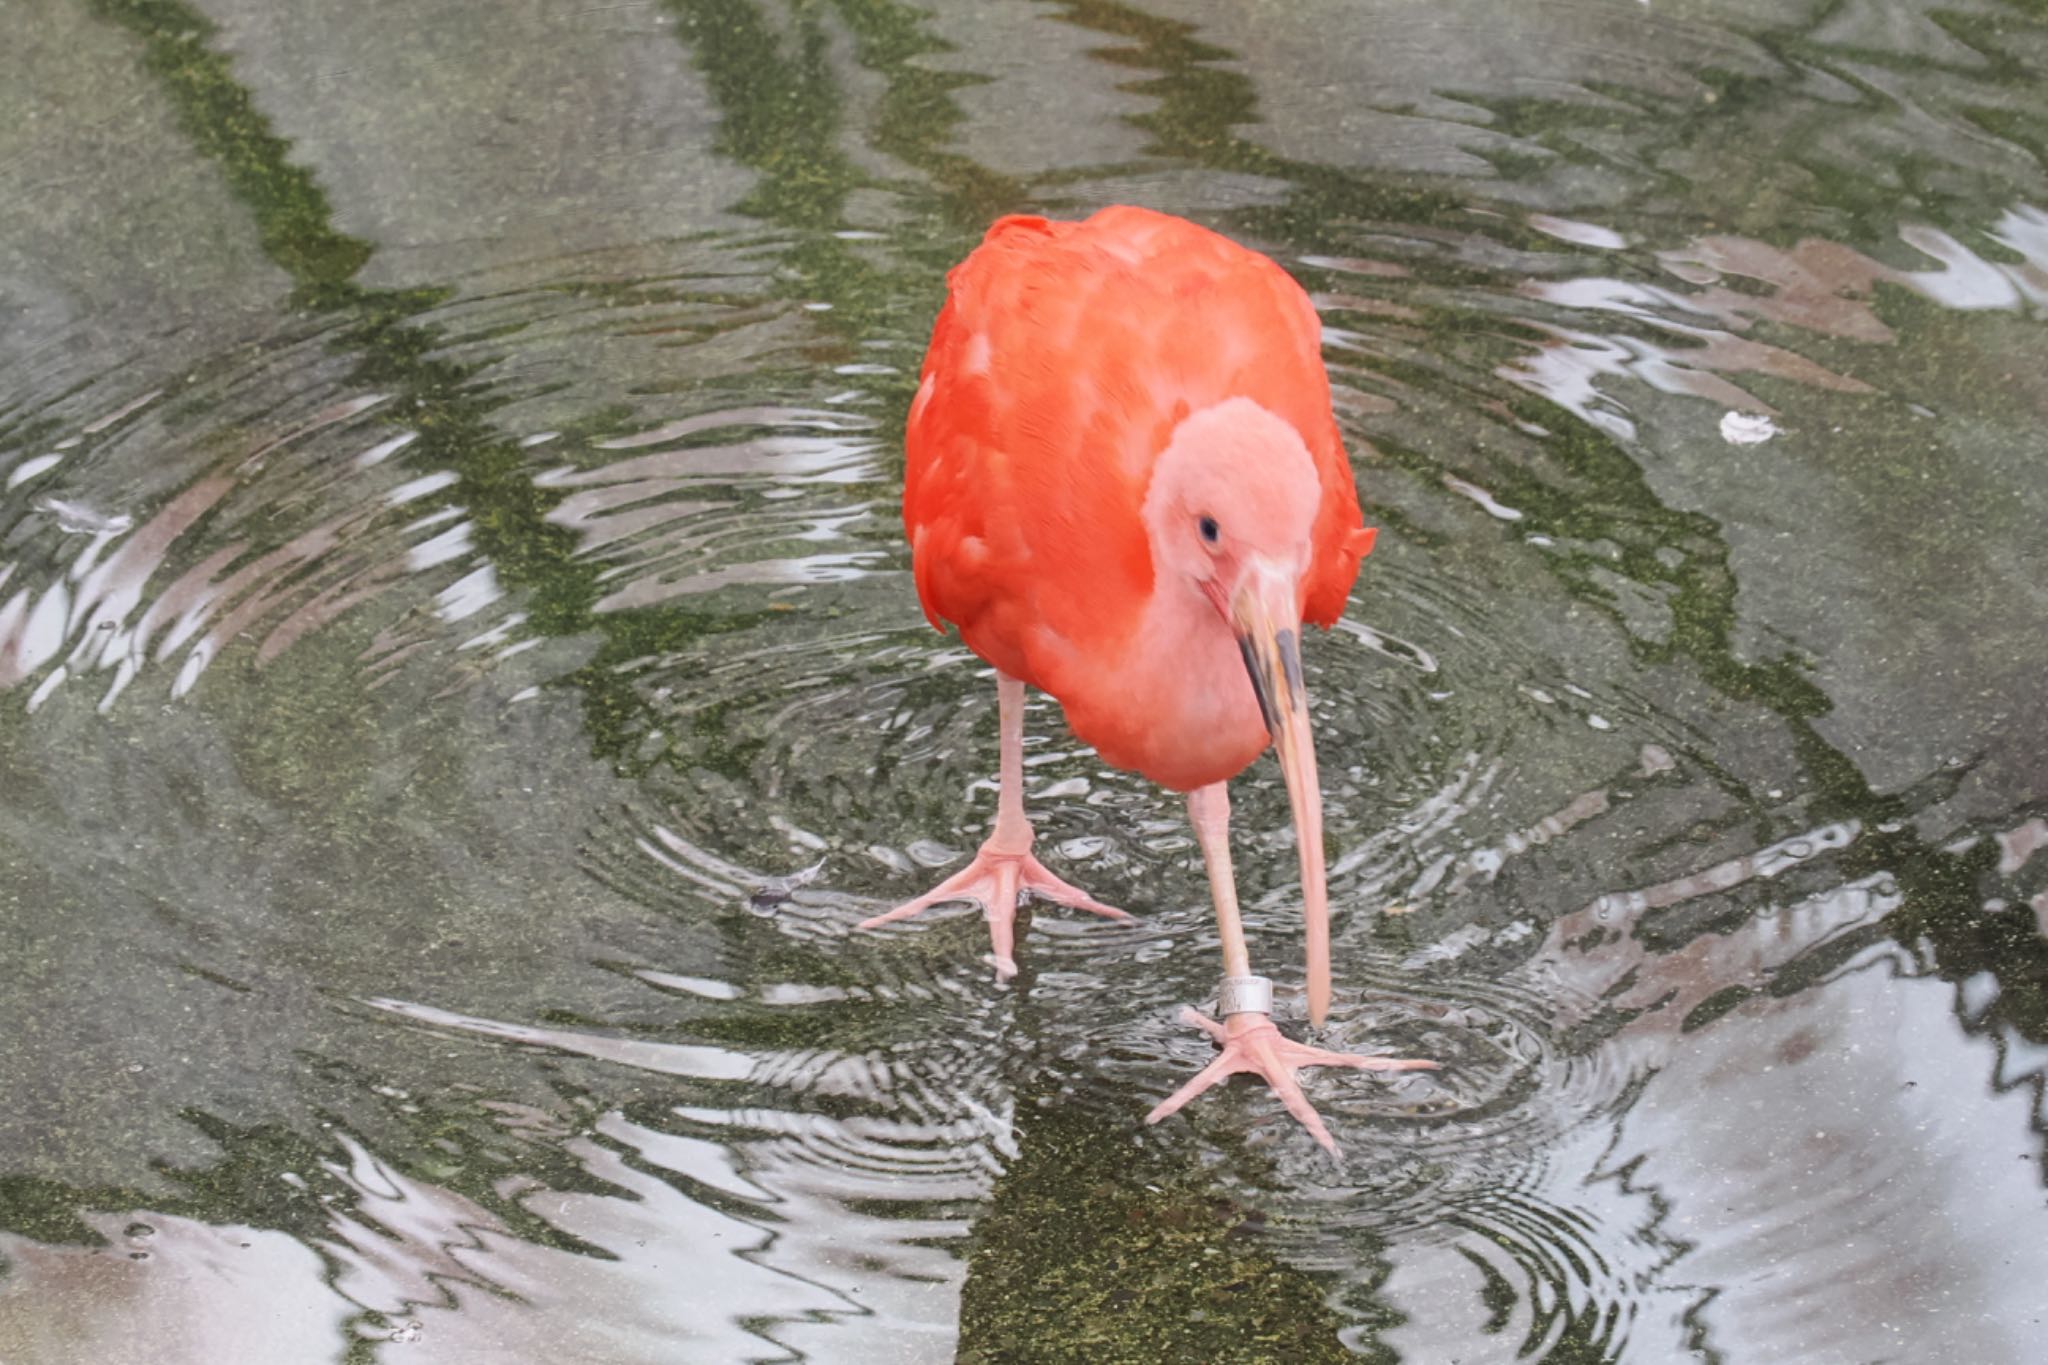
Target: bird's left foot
(1250,1042)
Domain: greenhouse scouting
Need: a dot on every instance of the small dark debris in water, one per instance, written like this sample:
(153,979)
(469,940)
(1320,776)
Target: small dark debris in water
(776,890)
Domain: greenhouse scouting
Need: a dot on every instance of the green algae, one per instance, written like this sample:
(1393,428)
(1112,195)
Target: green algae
(1100,1247)
(291,211)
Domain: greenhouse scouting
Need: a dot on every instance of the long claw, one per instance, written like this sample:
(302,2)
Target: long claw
(1289,1091)
(962,885)
(1001,913)
(1041,882)
(1373,1061)
(1217,1070)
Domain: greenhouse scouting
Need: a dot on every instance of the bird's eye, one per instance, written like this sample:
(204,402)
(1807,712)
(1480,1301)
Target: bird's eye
(1209,529)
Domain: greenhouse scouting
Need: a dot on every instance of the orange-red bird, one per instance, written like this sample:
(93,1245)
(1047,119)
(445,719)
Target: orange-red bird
(1124,485)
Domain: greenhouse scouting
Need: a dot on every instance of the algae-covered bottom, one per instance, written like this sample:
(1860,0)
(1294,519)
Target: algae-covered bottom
(460,684)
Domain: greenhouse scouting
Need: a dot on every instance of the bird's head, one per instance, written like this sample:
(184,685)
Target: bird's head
(1229,512)
(1232,499)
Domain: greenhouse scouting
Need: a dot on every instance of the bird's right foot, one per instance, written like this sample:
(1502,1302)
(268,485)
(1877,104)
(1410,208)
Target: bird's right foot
(994,879)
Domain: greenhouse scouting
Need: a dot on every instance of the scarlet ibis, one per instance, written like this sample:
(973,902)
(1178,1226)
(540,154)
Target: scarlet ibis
(1125,487)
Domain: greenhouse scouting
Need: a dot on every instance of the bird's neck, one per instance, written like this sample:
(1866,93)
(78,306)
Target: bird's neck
(1183,668)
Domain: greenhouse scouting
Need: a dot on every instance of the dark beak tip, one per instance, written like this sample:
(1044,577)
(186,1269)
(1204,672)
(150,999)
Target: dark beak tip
(1290,660)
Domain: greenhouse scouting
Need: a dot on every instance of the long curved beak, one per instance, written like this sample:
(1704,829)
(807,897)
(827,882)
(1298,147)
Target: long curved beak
(1267,621)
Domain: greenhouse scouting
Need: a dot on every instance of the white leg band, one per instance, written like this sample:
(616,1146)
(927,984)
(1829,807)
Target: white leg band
(1244,995)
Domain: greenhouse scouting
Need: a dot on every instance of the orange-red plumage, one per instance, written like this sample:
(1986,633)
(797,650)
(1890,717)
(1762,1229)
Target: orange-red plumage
(1066,355)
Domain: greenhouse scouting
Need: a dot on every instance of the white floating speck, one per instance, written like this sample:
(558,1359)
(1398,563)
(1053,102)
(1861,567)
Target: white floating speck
(1493,506)
(75,518)
(704,987)
(1578,233)
(798,835)
(1747,428)
(414,489)
(468,595)
(95,428)
(384,450)
(1977,994)
(452,543)
(48,685)
(496,634)
(430,519)
(28,469)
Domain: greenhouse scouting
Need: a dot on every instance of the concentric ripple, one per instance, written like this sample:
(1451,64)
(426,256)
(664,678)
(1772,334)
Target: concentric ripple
(453,726)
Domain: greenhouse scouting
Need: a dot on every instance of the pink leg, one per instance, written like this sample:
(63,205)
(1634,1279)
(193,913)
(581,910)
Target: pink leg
(1004,865)
(1248,1038)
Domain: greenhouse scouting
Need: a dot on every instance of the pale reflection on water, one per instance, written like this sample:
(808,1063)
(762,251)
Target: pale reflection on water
(451,732)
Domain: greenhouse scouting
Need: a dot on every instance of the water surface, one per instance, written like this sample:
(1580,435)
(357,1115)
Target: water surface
(460,683)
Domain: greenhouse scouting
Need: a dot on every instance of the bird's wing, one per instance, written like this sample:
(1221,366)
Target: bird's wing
(1064,357)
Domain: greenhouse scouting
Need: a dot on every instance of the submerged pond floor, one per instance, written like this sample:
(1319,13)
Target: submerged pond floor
(461,683)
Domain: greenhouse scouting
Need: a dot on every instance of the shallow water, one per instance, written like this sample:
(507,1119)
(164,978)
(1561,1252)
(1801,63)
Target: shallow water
(460,683)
